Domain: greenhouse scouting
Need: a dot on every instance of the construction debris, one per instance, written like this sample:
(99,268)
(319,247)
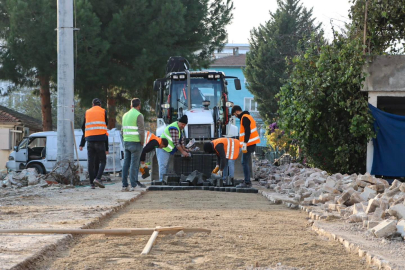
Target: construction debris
(65,173)
(354,198)
(24,178)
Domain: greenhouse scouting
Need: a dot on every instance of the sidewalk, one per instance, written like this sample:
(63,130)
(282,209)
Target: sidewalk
(52,207)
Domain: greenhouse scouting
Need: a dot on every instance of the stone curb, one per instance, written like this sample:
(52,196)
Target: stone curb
(47,251)
(371,259)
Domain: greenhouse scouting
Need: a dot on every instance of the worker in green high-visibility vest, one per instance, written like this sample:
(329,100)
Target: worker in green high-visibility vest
(133,131)
(174,133)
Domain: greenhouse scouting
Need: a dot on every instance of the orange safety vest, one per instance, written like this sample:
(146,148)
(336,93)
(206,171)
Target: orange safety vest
(254,135)
(231,147)
(150,136)
(95,122)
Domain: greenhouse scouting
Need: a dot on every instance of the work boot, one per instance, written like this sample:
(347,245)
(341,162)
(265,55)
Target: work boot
(132,189)
(139,184)
(98,183)
(244,185)
(145,172)
(125,189)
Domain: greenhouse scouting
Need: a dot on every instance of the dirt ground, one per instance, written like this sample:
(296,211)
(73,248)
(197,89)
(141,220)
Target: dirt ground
(51,207)
(247,232)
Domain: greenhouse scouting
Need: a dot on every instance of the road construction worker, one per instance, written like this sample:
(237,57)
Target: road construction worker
(151,142)
(248,137)
(134,136)
(225,149)
(175,136)
(95,134)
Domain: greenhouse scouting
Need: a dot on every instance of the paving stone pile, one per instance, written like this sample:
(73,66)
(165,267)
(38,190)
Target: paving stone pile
(354,198)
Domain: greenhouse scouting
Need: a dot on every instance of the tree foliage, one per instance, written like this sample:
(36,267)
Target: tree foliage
(322,103)
(385,24)
(142,35)
(28,54)
(270,45)
(122,45)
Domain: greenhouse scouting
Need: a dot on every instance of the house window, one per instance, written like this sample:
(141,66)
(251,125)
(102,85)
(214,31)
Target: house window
(250,105)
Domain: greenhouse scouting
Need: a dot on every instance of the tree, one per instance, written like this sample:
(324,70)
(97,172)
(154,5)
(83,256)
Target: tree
(122,45)
(270,45)
(322,104)
(142,35)
(28,57)
(384,27)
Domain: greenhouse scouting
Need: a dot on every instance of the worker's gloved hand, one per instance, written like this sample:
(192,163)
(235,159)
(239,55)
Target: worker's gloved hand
(216,169)
(186,154)
(217,175)
(244,148)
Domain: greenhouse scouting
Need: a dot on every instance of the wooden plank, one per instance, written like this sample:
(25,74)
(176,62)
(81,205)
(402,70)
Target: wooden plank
(175,228)
(123,231)
(152,240)
(73,231)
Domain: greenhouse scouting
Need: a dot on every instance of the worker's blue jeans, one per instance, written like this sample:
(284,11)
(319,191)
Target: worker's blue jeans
(246,160)
(132,158)
(231,166)
(163,158)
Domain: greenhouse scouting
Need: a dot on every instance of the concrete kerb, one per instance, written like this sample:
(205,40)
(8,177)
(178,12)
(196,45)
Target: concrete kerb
(47,251)
(370,258)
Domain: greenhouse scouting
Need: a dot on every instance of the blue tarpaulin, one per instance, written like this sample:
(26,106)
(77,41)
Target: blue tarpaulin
(389,146)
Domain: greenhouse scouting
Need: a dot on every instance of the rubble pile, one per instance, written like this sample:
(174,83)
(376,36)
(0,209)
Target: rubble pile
(353,198)
(63,173)
(27,177)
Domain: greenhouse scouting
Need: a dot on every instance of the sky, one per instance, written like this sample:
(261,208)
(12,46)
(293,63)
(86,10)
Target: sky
(251,13)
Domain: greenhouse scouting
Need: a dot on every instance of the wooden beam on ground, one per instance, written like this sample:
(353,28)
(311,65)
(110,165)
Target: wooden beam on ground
(124,231)
(149,245)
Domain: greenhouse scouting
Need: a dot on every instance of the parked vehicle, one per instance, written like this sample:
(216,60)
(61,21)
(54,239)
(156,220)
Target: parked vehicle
(39,151)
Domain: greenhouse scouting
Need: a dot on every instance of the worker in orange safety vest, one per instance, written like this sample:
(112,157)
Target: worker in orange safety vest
(95,134)
(151,143)
(248,137)
(226,149)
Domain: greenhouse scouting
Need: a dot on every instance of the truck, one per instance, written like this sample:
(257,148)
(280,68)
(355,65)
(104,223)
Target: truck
(203,97)
(38,151)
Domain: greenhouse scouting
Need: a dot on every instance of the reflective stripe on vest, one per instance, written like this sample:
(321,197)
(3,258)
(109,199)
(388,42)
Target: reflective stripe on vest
(149,136)
(166,134)
(129,126)
(95,122)
(254,135)
(231,147)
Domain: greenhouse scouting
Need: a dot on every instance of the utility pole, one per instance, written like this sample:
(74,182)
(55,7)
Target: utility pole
(65,80)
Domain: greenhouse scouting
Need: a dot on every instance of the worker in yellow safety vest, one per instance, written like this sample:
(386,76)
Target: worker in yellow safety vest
(95,134)
(248,137)
(133,132)
(151,143)
(225,149)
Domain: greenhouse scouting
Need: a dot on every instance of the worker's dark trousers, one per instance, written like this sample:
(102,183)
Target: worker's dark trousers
(246,160)
(96,153)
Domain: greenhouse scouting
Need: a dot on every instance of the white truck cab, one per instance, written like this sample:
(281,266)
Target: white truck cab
(39,151)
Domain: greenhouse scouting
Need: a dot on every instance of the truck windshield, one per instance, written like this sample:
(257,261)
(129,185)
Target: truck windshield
(24,143)
(201,89)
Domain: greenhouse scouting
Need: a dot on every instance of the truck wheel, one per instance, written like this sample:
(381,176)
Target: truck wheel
(37,167)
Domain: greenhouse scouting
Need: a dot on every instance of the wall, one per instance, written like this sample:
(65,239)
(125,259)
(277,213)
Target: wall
(3,152)
(386,77)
